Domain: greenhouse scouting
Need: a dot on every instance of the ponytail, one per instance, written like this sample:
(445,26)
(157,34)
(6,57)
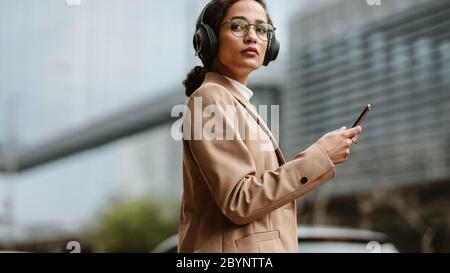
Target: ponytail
(194,79)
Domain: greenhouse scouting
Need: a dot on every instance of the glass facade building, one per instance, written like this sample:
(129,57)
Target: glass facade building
(396,57)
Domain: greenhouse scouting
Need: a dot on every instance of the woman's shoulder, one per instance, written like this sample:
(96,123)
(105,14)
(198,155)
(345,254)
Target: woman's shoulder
(212,92)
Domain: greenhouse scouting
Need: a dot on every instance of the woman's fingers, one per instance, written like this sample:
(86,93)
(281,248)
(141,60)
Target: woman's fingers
(350,133)
(337,144)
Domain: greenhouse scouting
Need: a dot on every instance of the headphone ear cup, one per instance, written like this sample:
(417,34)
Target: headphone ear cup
(205,44)
(272,51)
(200,42)
(212,45)
(197,43)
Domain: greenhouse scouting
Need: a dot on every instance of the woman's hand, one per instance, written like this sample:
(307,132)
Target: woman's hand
(337,143)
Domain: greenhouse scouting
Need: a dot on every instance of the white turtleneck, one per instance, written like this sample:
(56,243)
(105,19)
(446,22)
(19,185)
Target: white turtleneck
(244,90)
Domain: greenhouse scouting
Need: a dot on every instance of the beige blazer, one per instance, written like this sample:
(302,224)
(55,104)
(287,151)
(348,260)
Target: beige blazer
(239,195)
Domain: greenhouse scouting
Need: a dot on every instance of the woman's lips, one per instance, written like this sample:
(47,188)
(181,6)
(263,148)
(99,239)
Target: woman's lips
(249,54)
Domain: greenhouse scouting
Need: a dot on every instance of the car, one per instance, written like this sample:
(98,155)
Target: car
(326,239)
(321,239)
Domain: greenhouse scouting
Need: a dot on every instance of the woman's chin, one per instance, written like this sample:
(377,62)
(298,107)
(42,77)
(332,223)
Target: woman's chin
(251,64)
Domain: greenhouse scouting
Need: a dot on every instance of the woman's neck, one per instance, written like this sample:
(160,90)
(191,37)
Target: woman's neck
(221,69)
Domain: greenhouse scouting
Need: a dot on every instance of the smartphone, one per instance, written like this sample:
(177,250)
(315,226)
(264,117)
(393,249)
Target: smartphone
(362,116)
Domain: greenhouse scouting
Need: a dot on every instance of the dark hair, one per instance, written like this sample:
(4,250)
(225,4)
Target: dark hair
(213,17)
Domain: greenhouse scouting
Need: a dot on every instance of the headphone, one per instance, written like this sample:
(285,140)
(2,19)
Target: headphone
(206,44)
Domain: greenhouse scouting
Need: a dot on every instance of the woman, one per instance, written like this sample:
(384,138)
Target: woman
(239,196)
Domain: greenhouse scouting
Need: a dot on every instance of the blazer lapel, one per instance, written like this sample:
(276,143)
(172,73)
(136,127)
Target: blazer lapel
(219,79)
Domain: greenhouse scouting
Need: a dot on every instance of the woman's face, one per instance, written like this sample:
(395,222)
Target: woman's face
(232,52)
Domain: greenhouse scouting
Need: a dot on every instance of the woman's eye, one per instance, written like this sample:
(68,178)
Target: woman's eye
(237,27)
(261,29)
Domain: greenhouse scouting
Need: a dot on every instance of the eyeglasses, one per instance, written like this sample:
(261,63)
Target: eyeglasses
(240,27)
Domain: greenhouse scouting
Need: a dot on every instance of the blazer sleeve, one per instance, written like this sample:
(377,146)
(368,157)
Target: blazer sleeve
(230,173)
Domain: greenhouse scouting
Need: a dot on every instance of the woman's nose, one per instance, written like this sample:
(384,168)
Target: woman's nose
(251,35)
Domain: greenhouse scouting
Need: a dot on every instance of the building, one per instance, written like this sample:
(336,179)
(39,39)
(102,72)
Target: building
(64,68)
(347,54)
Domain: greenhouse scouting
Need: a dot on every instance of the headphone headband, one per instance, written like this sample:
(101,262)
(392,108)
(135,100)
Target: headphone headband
(202,14)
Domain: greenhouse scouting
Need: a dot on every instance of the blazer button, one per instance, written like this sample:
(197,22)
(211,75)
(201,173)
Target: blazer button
(304,180)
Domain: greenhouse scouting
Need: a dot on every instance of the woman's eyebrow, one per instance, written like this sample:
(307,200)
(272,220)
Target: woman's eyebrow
(243,17)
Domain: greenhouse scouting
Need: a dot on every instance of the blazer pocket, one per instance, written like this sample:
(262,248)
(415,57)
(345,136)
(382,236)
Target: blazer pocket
(254,238)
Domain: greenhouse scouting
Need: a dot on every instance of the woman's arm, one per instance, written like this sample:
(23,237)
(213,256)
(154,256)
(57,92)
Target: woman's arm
(229,170)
